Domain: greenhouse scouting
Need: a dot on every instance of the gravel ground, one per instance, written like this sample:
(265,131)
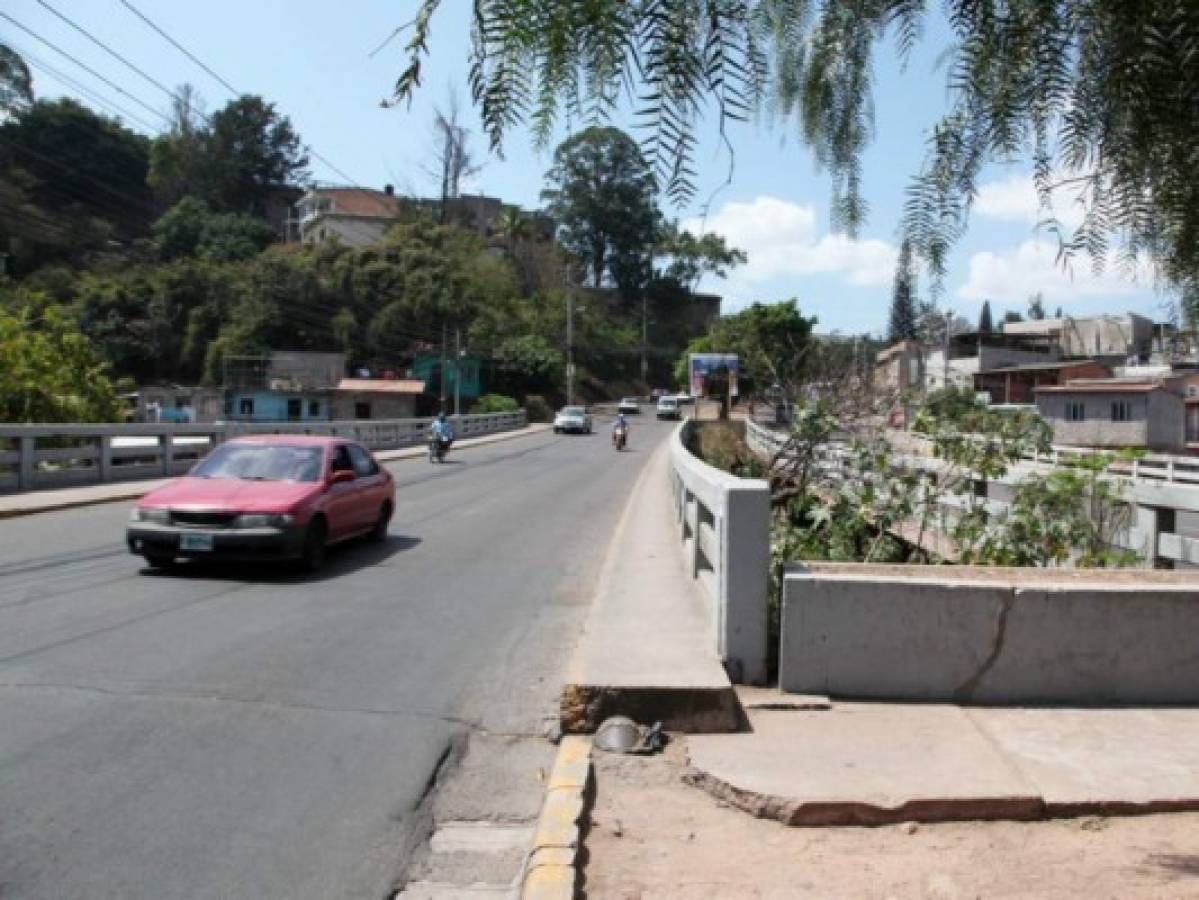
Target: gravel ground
(652,836)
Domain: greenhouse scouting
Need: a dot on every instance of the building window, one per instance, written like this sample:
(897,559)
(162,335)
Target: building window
(362,410)
(1121,410)
(1075,412)
(293,409)
(314,409)
(245,406)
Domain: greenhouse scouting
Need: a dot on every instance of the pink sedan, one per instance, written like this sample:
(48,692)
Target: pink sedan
(266,497)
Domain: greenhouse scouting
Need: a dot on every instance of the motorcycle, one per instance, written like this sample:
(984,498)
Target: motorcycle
(438,448)
(620,437)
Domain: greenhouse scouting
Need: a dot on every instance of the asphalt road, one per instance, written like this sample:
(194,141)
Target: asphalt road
(234,732)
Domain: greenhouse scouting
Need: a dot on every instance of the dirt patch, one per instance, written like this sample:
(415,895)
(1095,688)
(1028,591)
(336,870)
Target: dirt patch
(652,836)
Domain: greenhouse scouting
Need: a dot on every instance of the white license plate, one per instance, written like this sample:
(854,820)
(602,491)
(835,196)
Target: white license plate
(195,542)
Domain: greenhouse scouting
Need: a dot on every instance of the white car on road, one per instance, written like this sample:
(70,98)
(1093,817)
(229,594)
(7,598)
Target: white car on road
(573,418)
(629,406)
(668,408)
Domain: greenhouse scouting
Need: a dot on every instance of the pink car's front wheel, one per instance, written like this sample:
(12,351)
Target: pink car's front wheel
(312,552)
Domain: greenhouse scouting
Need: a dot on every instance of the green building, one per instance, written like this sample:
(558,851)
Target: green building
(468,370)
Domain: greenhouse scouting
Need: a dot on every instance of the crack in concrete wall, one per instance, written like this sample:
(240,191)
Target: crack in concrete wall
(965,691)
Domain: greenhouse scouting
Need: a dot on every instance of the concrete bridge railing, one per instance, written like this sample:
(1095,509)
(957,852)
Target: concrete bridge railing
(763,441)
(966,634)
(35,457)
(724,525)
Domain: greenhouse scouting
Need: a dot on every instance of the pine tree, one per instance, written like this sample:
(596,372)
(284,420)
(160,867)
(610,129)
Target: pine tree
(1036,307)
(903,298)
(985,324)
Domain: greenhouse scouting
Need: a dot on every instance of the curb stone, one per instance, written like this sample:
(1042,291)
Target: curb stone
(552,870)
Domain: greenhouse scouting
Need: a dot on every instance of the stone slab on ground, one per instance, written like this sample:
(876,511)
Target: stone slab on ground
(876,763)
(649,650)
(1101,760)
(861,763)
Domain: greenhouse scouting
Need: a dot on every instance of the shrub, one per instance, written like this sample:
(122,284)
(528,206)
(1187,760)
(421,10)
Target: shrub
(538,409)
(494,403)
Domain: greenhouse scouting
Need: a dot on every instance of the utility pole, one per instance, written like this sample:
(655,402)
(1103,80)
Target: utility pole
(570,338)
(945,374)
(644,338)
(457,368)
(443,365)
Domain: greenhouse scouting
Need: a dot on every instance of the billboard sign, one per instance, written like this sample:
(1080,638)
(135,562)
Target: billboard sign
(701,365)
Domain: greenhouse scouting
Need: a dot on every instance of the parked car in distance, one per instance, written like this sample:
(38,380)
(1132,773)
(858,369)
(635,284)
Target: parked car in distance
(573,419)
(668,408)
(684,399)
(265,497)
(629,405)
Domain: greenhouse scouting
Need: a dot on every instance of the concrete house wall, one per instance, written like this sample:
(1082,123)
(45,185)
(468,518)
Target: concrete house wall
(898,367)
(1156,419)
(382,405)
(1112,339)
(1167,421)
(272,406)
(961,371)
(309,369)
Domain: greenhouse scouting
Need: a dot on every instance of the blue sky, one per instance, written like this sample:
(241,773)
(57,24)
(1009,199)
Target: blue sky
(312,59)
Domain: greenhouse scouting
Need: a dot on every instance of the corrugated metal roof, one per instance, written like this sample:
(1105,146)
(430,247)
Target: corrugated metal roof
(1035,367)
(382,386)
(1100,387)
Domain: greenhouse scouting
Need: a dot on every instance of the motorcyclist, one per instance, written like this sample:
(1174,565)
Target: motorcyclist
(442,430)
(618,424)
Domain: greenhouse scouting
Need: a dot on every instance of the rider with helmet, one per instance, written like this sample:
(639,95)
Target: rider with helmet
(442,432)
(619,424)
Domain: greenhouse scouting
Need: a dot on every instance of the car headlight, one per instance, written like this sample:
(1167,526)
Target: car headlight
(151,515)
(262,520)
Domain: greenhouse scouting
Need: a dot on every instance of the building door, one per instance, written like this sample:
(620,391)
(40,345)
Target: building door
(294,409)
(362,410)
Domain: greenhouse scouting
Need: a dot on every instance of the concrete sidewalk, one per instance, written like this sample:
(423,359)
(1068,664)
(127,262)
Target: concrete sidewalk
(878,763)
(648,650)
(31,502)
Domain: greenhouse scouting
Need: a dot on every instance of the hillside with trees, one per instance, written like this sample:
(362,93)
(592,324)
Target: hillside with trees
(163,257)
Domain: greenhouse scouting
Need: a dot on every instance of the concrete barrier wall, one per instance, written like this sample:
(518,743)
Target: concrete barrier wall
(991,636)
(35,457)
(724,523)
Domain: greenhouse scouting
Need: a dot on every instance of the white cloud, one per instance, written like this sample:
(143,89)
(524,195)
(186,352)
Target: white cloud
(1012,276)
(781,240)
(1014,199)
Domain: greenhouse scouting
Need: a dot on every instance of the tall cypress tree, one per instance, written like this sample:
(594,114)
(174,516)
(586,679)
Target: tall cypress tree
(903,298)
(985,324)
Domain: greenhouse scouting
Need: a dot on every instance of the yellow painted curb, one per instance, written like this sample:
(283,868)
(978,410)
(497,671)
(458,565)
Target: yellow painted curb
(550,873)
(549,883)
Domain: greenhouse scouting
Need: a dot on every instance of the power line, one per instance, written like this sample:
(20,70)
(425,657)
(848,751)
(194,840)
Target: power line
(131,202)
(65,79)
(207,69)
(116,87)
(179,47)
(103,46)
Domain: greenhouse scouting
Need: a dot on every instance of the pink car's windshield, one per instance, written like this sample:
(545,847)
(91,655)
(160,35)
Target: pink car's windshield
(262,462)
